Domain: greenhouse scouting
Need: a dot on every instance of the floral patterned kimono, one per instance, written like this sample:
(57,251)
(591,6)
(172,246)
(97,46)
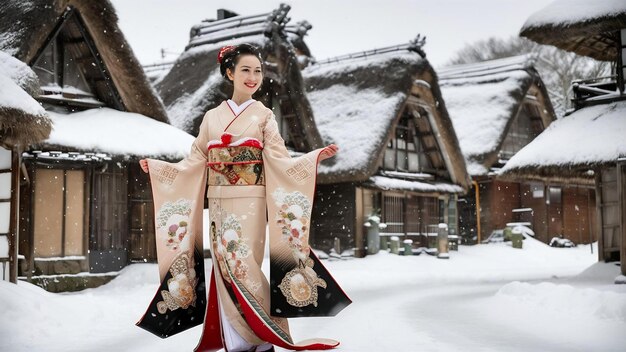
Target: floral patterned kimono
(251,178)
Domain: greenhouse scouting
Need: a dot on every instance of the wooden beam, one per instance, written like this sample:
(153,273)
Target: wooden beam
(621,194)
(599,228)
(14,213)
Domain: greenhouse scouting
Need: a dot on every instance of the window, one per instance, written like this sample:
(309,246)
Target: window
(5,191)
(110,210)
(59,212)
(555,195)
(520,134)
(70,72)
(537,189)
(405,152)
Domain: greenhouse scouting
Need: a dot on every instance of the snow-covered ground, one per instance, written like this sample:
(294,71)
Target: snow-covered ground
(484,298)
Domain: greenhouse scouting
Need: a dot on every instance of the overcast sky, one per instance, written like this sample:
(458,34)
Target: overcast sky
(339,27)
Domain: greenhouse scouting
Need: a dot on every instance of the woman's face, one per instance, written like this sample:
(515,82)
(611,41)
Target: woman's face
(247,75)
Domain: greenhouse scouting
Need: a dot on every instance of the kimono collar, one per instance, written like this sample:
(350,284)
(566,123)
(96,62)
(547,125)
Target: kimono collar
(237,109)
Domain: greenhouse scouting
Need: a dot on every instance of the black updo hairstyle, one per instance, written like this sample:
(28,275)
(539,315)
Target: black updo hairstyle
(230,57)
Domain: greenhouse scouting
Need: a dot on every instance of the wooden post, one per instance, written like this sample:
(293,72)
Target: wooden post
(14,213)
(599,217)
(477,194)
(621,190)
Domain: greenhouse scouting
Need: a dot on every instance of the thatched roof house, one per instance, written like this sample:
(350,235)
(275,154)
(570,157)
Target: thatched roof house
(357,101)
(22,122)
(581,26)
(585,140)
(589,141)
(484,101)
(22,119)
(194,84)
(105,115)
(498,107)
(398,157)
(117,78)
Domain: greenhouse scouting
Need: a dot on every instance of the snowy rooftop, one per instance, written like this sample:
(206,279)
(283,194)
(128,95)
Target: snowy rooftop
(15,76)
(566,12)
(214,31)
(352,112)
(388,183)
(115,132)
(22,119)
(592,135)
(481,99)
(581,26)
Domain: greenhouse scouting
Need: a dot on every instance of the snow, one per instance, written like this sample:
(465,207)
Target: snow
(16,70)
(484,298)
(564,12)
(13,74)
(598,132)
(387,183)
(330,68)
(356,120)
(116,132)
(479,101)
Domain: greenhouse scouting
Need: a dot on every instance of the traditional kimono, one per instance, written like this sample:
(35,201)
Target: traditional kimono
(252,181)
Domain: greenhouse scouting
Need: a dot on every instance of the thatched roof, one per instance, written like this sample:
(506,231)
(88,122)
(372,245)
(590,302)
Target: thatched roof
(483,100)
(589,138)
(194,84)
(27,26)
(22,120)
(358,99)
(585,27)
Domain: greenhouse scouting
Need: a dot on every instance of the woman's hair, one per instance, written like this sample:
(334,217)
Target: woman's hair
(228,56)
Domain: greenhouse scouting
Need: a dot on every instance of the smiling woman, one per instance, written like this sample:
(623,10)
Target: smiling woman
(250,174)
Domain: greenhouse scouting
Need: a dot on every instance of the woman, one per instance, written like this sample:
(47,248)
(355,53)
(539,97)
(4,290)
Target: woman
(249,169)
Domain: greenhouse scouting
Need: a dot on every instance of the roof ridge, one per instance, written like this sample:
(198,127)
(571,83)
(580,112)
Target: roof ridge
(415,45)
(482,68)
(239,26)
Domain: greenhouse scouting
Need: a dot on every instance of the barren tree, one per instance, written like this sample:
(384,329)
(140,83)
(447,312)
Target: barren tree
(557,68)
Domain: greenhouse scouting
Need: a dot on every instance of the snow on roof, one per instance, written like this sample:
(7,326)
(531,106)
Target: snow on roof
(481,99)
(334,69)
(588,136)
(17,71)
(354,115)
(354,119)
(564,12)
(15,76)
(116,132)
(387,183)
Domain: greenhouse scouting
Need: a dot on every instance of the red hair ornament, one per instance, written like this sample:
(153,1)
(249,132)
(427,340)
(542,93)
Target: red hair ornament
(223,51)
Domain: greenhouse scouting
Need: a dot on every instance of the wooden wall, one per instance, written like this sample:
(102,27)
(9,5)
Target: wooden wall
(334,214)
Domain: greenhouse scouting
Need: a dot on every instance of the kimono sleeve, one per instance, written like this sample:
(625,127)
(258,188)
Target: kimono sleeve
(178,194)
(300,285)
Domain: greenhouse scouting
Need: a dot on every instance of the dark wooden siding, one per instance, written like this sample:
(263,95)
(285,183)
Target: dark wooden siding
(334,214)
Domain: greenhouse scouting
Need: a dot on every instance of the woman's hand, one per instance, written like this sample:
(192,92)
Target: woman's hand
(144,165)
(328,152)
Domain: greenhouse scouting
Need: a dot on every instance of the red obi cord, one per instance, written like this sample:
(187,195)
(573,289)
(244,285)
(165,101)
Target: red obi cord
(227,141)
